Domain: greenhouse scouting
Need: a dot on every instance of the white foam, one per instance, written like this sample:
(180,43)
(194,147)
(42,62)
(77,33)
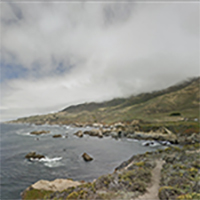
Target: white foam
(51,162)
(47,159)
(165,143)
(150,143)
(25,134)
(131,140)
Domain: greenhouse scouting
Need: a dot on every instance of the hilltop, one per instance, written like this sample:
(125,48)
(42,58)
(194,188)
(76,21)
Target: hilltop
(176,103)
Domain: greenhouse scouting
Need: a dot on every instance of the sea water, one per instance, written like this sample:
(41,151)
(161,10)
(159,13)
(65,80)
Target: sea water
(62,156)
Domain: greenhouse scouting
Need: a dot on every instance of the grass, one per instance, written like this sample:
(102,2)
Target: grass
(34,194)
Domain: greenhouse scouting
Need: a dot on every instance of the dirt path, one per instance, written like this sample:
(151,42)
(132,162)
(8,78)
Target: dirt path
(152,191)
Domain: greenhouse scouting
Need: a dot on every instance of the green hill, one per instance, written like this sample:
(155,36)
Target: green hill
(172,104)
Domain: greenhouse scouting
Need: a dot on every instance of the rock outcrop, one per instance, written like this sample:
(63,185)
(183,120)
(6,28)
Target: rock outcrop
(94,132)
(39,132)
(79,134)
(34,155)
(47,187)
(56,185)
(57,136)
(86,157)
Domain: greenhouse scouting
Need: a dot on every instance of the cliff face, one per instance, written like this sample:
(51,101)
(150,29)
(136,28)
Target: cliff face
(182,99)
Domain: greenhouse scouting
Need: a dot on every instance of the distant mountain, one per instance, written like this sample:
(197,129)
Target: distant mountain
(182,100)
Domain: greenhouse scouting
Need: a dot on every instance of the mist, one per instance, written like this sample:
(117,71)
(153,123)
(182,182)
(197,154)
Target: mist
(58,54)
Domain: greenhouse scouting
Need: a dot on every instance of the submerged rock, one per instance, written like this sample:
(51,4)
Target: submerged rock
(39,132)
(57,136)
(86,157)
(34,155)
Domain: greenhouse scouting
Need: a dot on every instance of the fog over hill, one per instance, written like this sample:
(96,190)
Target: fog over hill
(182,98)
(54,55)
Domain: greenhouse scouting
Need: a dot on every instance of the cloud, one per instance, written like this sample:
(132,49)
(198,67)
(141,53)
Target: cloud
(57,54)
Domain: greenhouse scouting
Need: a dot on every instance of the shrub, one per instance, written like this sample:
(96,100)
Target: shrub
(73,195)
(175,114)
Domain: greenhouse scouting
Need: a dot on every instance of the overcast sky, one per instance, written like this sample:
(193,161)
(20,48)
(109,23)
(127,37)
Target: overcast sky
(57,54)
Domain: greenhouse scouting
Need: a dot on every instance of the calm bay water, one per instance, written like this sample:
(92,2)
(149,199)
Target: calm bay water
(63,156)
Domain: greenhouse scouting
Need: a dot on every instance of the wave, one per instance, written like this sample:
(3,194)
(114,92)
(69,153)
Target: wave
(132,140)
(47,159)
(150,143)
(25,133)
(49,162)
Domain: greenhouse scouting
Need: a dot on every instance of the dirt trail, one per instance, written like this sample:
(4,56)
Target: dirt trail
(152,191)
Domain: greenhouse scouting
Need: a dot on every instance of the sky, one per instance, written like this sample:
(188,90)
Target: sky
(57,54)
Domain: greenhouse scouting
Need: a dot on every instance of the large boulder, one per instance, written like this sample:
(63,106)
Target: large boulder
(79,134)
(34,155)
(39,132)
(94,132)
(119,125)
(97,125)
(86,157)
(56,185)
(106,131)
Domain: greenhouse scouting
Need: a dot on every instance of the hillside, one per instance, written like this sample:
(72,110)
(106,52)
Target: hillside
(183,99)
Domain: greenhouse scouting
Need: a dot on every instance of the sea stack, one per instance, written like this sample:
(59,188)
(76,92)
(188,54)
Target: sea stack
(86,157)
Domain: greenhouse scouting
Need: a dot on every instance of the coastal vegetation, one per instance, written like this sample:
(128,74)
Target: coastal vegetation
(180,176)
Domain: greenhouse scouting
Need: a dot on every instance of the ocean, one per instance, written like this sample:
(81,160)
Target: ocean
(62,156)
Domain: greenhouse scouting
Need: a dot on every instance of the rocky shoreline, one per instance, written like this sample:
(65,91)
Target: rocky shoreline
(180,169)
(137,129)
(180,176)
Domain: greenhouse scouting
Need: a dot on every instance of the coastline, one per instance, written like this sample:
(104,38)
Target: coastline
(136,178)
(124,182)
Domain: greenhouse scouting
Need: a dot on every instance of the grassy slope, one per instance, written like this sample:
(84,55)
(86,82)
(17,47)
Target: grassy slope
(155,106)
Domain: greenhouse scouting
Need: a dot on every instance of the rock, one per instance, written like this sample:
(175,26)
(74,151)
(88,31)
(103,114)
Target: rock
(163,130)
(76,124)
(39,132)
(79,134)
(131,136)
(136,128)
(97,125)
(156,136)
(57,136)
(56,185)
(119,125)
(86,157)
(135,122)
(106,131)
(33,155)
(94,132)
(114,135)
